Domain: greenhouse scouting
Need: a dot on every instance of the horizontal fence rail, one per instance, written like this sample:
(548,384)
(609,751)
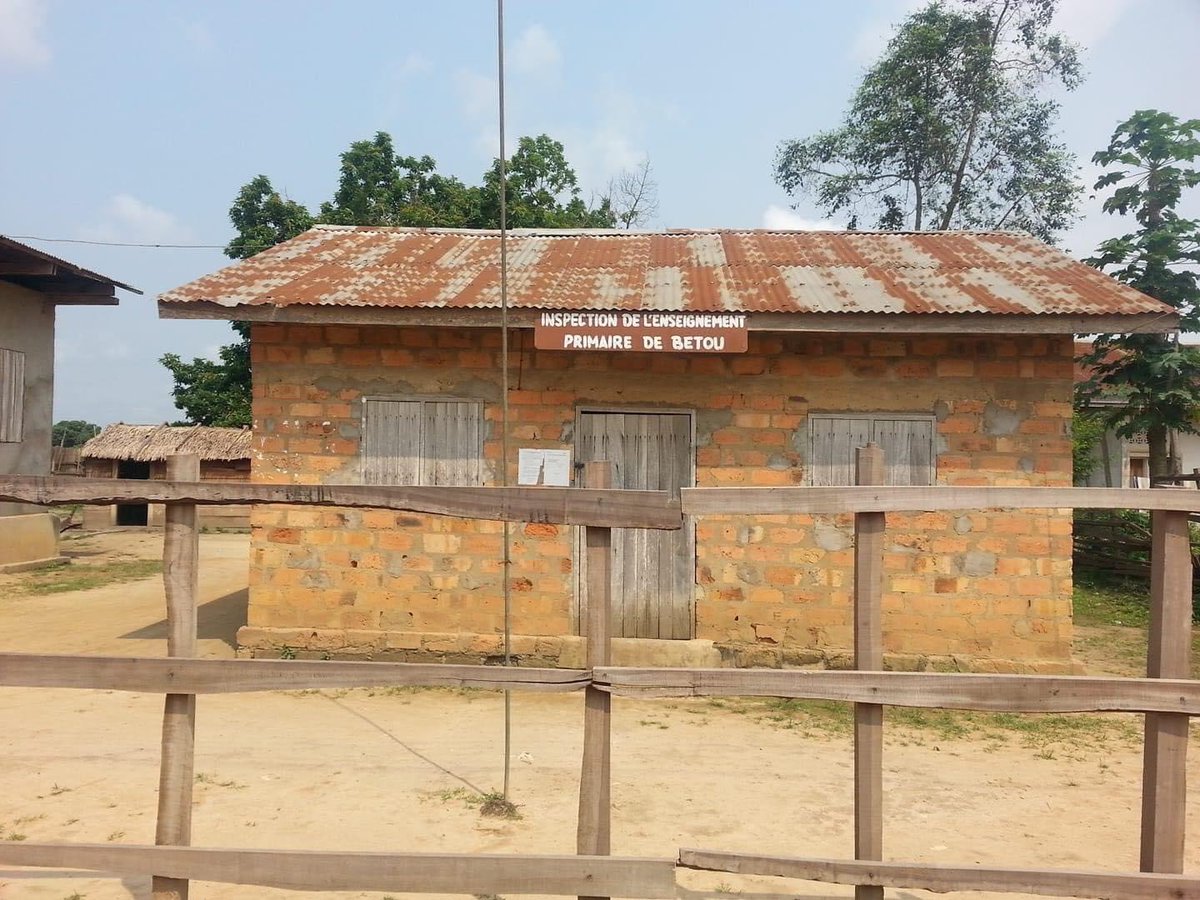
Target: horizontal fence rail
(229,676)
(943,878)
(927,690)
(415,873)
(780,501)
(570,506)
(1167,697)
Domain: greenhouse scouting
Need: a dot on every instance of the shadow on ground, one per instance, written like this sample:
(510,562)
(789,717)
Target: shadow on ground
(215,620)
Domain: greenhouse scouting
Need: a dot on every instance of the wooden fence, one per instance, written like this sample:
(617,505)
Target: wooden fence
(1166,696)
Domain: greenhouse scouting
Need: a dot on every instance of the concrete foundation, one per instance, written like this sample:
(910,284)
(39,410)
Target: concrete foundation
(29,541)
(570,652)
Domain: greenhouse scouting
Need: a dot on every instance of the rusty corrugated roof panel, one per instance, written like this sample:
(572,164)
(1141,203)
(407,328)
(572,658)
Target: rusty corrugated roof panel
(753,271)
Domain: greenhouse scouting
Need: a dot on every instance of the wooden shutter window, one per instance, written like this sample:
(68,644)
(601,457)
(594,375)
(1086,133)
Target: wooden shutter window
(422,442)
(12,395)
(391,443)
(452,443)
(907,443)
(907,446)
(833,440)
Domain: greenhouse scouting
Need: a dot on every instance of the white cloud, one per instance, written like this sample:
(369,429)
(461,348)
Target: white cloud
(21,41)
(477,94)
(414,64)
(199,36)
(478,98)
(780,218)
(872,39)
(535,52)
(1088,22)
(608,140)
(126,218)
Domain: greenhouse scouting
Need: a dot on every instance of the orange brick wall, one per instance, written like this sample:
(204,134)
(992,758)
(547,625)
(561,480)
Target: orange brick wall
(977,590)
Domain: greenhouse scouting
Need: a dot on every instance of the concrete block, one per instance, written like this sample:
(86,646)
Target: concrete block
(29,541)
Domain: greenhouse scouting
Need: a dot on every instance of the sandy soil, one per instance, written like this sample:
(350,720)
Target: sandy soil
(395,770)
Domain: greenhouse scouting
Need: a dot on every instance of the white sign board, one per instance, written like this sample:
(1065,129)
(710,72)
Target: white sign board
(550,468)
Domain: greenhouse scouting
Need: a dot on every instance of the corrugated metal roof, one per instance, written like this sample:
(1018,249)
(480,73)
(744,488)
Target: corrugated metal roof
(14,250)
(751,271)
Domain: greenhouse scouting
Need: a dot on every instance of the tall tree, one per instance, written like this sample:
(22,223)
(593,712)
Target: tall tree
(1151,163)
(263,218)
(214,393)
(543,191)
(377,186)
(947,129)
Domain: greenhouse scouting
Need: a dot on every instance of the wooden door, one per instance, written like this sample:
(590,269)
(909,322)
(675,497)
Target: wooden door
(654,575)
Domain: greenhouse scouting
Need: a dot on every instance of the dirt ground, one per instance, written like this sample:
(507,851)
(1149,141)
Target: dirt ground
(402,769)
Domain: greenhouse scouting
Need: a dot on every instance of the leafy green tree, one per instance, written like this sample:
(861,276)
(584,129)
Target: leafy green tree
(263,219)
(1087,431)
(1151,162)
(542,191)
(73,432)
(947,129)
(214,393)
(379,187)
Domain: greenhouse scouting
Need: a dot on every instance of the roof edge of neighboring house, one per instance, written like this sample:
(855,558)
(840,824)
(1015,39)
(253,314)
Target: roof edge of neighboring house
(59,281)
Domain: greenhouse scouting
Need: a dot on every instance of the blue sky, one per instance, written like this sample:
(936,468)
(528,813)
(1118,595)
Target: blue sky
(138,120)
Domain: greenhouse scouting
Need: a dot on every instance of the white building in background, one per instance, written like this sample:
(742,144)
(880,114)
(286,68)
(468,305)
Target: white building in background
(1125,462)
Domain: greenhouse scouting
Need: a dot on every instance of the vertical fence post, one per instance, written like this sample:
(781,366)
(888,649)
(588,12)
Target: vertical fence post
(868,655)
(181,552)
(595,785)
(1164,766)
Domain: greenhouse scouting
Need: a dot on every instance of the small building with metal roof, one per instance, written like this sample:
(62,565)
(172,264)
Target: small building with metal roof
(686,358)
(33,285)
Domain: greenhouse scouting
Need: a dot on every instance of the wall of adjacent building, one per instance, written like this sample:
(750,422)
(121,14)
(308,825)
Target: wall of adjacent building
(979,590)
(27,325)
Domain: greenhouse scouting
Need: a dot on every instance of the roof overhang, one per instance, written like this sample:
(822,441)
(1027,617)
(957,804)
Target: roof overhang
(881,323)
(58,281)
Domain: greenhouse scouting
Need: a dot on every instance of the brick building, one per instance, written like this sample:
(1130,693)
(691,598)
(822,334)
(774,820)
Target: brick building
(376,359)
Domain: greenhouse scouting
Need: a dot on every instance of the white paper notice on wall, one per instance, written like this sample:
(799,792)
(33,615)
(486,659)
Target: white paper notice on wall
(551,468)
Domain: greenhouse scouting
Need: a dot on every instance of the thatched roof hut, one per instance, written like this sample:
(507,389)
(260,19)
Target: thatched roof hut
(141,451)
(154,443)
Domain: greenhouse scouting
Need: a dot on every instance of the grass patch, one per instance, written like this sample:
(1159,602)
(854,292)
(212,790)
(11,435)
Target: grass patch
(1103,601)
(64,579)
(495,805)
(492,804)
(1112,617)
(825,718)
